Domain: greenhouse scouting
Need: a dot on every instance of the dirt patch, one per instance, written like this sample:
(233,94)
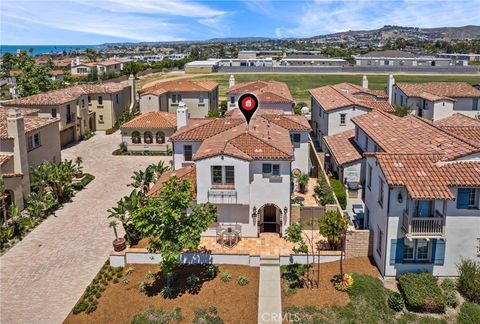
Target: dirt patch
(326,294)
(119,303)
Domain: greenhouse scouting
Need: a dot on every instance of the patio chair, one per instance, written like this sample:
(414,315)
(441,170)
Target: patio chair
(219,234)
(238,231)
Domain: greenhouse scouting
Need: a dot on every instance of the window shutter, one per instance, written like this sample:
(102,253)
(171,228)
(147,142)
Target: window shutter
(438,252)
(462,199)
(396,251)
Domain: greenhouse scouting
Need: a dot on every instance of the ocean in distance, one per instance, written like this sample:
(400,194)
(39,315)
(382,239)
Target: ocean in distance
(45,49)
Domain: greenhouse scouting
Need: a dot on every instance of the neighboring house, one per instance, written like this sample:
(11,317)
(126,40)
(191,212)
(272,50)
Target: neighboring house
(26,140)
(244,171)
(270,94)
(424,211)
(57,75)
(199,96)
(149,132)
(398,58)
(312,60)
(437,100)
(462,126)
(79,68)
(333,107)
(80,108)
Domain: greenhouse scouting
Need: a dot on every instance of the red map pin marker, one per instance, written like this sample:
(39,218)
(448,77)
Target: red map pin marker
(248,104)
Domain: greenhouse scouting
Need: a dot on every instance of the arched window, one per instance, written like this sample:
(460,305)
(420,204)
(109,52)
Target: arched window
(136,137)
(160,137)
(147,137)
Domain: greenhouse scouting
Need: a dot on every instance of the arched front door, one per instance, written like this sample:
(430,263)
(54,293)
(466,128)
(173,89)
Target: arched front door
(270,219)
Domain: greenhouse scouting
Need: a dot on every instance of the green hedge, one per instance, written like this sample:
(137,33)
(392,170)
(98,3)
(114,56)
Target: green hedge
(340,192)
(469,280)
(469,313)
(422,293)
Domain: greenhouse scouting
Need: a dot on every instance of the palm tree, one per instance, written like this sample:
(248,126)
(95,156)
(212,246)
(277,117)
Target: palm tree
(114,224)
(142,180)
(157,169)
(123,211)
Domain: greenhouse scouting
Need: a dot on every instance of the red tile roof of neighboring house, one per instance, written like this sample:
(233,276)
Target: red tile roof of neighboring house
(260,111)
(266,91)
(439,89)
(32,123)
(343,148)
(346,94)
(180,86)
(461,126)
(411,135)
(458,119)
(426,177)
(201,129)
(158,119)
(56,72)
(185,173)
(4,158)
(278,117)
(61,96)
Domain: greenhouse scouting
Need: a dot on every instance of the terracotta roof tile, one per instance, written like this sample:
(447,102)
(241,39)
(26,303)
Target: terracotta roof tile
(180,86)
(201,129)
(440,89)
(266,91)
(343,147)
(185,173)
(159,119)
(426,177)
(236,113)
(32,123)
(4,158)
(458,119)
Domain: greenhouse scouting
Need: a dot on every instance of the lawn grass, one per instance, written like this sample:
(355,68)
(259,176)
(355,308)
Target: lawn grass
(367,305)
(299,84)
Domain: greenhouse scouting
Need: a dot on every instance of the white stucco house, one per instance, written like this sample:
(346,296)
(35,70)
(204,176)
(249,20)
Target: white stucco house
(333,107)
(244,171)
(270,94)
(437,100)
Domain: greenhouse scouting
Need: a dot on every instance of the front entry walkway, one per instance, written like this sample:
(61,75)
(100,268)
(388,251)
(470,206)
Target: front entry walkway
(269,291)
(44,275)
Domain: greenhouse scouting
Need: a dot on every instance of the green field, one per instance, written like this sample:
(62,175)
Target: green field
(299,84)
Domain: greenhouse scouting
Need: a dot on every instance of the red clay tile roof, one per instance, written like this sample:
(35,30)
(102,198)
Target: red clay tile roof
(158,119)
(290,122)
(61,96)
(425,177)
(32,123)
(343,147)
(201,129)
(411,135)
(360,91)
(186,173)
(4,158)
(180,86)
(346,94)
(266,91)
(440,89)
(458,119)
(236,113)
(56,72)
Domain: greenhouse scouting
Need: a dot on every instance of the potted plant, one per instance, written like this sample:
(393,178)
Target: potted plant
(78,168)
(136,140)
(303,182)
(159,140)
(148,140)
(119,244)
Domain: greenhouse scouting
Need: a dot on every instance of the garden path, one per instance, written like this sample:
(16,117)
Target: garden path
(44,275)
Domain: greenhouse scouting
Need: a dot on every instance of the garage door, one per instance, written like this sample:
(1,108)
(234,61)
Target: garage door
(67,136)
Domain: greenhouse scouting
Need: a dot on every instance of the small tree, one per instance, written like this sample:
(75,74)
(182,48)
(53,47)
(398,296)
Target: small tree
(171,230)
(333,226)
(402,110)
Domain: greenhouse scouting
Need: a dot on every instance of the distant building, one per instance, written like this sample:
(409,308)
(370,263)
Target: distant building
(57,75)
(259,54)
(398,58)
(263,62)
(312,60)
(460,59)
(199,96)
(103,66)
(207,66)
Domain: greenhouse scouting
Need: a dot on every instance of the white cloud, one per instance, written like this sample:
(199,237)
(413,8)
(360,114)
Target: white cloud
(149,20)
(322,17)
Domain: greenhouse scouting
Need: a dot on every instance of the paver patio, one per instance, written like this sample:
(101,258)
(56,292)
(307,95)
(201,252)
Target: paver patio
(43,276)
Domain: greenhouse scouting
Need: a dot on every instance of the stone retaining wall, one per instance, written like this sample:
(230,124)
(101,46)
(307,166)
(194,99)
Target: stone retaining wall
(358,243)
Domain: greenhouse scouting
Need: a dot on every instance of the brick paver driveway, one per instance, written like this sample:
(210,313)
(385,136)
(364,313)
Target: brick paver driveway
(43,276)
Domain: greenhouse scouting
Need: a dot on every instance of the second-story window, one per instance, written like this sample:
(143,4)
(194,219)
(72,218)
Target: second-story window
(475,104)
(296,138)
(187,153)
(100,100)
(223,175)
(200,99)
(174,98)
(232,100)
(343,119)
(369,176)
(380,191)
(54,112)
(89,99)
(269,170)
(33,141)
(467,198)
(116,99)
(83,103)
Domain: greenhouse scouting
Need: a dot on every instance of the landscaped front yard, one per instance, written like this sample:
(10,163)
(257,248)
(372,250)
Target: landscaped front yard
(139,289)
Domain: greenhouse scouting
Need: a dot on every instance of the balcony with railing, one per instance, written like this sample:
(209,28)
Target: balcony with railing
(423,227)
(70,118)
(219,196)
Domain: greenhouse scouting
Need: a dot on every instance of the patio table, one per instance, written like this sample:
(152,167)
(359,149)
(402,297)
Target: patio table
(231,237)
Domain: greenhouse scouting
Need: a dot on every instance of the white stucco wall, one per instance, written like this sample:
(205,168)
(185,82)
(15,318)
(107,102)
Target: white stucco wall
(177,148)
(301,154)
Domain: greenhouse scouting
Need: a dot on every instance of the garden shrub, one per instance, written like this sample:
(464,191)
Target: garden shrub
(212,271)
(226,276)
(207,316)
(167,292)
(192,281)
(243,280)
(450,292)
(469,313)
(469,280)
(293,274)
(79,185)
(157,316)
(422,293)
(323,191)
(340,192)
(396,302)
(343,282)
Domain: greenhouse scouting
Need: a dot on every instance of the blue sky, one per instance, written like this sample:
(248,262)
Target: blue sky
(62,22)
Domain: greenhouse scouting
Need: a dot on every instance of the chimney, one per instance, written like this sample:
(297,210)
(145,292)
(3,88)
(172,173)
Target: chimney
(182,115)
(231,81)
(77,60)
(390,83)
(365,82)
(133,91)
(16,130)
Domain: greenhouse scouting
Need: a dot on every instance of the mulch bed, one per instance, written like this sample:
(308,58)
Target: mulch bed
(326,295)
(119,303)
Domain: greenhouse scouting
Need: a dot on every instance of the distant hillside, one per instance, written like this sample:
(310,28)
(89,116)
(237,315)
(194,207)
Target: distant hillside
(464,32)
(237,39)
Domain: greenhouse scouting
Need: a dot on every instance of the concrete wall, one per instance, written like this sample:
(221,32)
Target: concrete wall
(49,149)
(149,103)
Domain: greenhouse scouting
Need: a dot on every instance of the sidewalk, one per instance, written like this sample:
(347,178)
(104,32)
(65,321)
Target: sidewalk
(269,296)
